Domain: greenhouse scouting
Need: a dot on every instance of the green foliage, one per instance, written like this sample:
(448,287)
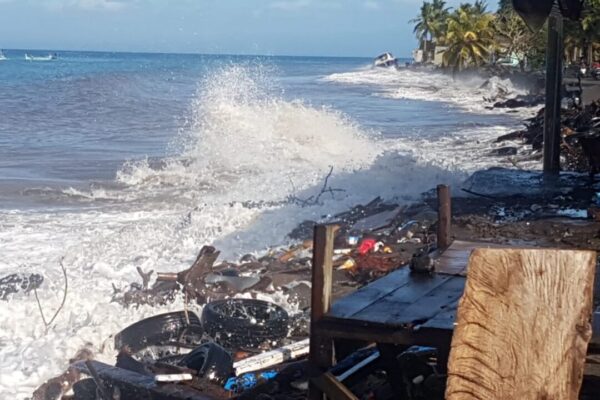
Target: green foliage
(470,36)
(430,24)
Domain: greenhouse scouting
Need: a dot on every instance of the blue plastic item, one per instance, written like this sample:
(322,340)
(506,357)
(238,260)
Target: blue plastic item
(248,381)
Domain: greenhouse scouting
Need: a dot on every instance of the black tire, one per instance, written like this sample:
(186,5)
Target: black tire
(211,361)
(163,329)
(244,323)
(84,389)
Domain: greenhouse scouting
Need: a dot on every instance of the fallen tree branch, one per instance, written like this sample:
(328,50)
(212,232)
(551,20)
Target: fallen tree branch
(315,200)
(47,324)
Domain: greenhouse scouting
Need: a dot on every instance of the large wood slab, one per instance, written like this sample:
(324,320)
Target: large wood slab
(523,325)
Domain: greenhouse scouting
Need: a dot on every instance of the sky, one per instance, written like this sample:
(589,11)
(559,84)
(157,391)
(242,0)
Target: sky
(266,27)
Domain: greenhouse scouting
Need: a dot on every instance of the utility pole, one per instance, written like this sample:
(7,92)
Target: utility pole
(554,67)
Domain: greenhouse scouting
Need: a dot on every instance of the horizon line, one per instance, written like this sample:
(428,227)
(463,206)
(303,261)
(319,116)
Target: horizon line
(187,53)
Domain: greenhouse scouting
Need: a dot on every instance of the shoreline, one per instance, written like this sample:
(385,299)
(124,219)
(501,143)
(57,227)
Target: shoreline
(527,214)
(472,222)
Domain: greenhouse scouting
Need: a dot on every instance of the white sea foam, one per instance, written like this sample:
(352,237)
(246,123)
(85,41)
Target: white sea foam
(246,144)
(471,94)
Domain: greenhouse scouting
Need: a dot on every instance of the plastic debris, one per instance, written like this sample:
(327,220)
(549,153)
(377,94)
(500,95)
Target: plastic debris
(366,246)
(248,381)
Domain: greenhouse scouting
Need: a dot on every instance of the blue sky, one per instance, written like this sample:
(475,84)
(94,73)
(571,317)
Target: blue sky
(273,27)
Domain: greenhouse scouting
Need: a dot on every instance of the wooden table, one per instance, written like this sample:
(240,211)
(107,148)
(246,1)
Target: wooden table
(402,308)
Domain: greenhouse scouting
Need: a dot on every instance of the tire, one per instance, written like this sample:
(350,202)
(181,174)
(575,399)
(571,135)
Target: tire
(84,389)
(244,323)
(211,361)
(161,330)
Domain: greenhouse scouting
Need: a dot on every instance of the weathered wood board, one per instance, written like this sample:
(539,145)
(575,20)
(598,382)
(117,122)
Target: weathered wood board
(523,325)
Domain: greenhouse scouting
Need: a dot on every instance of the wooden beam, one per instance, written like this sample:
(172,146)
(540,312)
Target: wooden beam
(444,217)
(552,121)
(523,325)
(321,348)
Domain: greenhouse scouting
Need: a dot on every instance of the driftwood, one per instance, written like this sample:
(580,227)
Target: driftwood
(523,325)
(315,200)
(191,281)
(48,324)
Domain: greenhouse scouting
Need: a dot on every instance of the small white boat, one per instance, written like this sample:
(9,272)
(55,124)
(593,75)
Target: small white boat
(2,56)
(49,57)
(385,60)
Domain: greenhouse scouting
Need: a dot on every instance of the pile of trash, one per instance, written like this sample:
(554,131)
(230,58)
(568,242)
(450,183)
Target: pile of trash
(239,344)
(580,137)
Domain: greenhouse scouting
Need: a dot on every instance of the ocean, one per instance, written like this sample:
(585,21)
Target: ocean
(112,161)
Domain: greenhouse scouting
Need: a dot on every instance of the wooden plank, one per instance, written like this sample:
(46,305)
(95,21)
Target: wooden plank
(455,259)
(523,325)
(445,319)
(381,333)
(377,222)
(392,308)
(429,305)
(444,217)
(321,348)
(363,297)
(334,389)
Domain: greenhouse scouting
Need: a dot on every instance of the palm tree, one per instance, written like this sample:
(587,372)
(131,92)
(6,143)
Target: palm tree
(430,23)
(470,36)
(590,25)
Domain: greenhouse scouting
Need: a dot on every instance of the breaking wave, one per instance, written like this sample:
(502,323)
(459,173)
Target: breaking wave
(245,137)
(469,94)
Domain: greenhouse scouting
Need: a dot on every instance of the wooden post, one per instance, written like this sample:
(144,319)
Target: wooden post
(321,349)
(554,61)
(444,217)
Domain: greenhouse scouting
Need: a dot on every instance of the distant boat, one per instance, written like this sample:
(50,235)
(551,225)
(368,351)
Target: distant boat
(385,60)
(49,57)
(2,56)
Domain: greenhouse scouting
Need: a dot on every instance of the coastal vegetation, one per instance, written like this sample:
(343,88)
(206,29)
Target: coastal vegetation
(472,35)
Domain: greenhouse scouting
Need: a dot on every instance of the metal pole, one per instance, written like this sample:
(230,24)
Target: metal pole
(554,63)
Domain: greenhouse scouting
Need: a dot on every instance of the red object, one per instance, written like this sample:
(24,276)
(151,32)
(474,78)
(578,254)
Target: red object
(366,246)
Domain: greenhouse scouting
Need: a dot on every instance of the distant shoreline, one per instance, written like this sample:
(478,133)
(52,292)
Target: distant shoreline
(9,50)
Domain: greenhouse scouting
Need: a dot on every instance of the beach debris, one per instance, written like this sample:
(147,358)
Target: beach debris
(580,137)
(211,361)
(190,281)
(247,381)
(366,246)
(127,384)
(15,283)
(422,263)
(315,199)
(420,378)
(57,387)
(245,323)
(273,357)
(181,327)
(354,362)
(48,323)
(232,283)
(377,222)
